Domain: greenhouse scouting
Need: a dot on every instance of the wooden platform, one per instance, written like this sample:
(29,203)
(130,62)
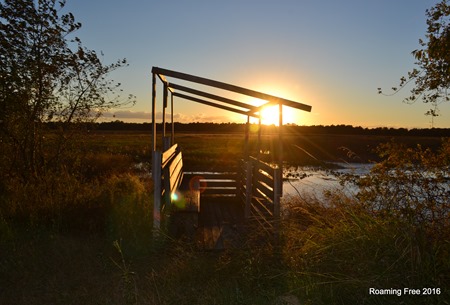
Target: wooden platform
(213,222)
(221,222)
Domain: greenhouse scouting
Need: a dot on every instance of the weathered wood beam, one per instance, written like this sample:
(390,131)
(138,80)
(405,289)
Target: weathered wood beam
(153,112)
(213,97)
(272,100)
(194,99)
(285,102)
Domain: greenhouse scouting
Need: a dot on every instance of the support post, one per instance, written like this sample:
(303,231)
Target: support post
(153,112)
(248,188)
(277,187)
(165,93)
(258,147)
(156,174)
(276,194)
(171,118)
(246,144)
(280,147)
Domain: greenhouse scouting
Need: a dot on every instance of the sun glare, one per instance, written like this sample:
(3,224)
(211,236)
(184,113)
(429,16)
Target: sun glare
(270,115)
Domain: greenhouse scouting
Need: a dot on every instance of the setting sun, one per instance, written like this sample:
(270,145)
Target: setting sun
(270,115)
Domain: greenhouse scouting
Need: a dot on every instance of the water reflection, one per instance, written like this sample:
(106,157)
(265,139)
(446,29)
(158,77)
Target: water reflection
(313,181)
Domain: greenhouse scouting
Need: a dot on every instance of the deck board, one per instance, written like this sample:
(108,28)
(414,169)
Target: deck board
(220,220)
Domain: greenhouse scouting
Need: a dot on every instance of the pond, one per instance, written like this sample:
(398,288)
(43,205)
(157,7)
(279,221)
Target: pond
(313,181)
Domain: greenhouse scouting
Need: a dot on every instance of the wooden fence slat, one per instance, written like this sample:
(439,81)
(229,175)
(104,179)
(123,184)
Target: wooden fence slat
(217,191)
(168,154)
(175,170)
(175,162)
(218,176)
(259,193)
(262,219)
(220,183)
(262,176)
(262,206)
(264,189)
(262,165)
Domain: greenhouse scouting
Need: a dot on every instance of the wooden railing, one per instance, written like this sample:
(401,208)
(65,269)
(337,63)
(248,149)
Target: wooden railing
(257,184)
(260,188)
(167,174)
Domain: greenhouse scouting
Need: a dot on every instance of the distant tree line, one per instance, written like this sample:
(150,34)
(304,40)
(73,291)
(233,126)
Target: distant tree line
(288,129)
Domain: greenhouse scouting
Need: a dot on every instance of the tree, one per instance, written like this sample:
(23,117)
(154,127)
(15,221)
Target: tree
(46,76)
(432,77)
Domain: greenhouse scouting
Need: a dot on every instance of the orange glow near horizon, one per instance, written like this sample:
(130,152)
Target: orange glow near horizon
(270,116)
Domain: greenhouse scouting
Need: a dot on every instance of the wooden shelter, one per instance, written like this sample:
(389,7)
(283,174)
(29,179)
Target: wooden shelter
(257,183)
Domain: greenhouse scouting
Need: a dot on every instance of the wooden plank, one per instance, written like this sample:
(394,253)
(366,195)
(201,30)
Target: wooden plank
(215,97)
(287,103)
(264,189)
(175,181)
(264,177)
(168,154)
(175,172)
(218,176)
(232,88)
(261,218)
(218,191)
(220,183)
(262,165)
(262,206)
(258,193)
(197,100)
(175,161)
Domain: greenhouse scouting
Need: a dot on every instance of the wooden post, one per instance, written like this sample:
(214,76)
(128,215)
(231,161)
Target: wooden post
(246,145)
(280,147)
(258,147)
(165,93)
(156,175)
(167,143)
(248,187)
(153,112)
(276,193)
(277,186)
(171,117)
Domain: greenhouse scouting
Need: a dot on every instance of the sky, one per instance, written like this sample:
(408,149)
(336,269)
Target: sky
(332,55)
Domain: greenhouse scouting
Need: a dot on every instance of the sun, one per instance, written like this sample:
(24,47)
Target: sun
(270,115)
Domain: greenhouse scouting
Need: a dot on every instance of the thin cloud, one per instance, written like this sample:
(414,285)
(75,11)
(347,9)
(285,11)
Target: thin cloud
(132,116)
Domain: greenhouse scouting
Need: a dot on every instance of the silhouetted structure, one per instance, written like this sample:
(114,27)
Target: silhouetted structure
(257,185)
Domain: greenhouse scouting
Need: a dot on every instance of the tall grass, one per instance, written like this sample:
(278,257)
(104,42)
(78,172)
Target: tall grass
(336,253)
(85,236)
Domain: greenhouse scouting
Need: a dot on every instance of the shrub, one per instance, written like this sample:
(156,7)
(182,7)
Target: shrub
(411,183)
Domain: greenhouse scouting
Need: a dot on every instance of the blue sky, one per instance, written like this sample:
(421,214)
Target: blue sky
(332,55)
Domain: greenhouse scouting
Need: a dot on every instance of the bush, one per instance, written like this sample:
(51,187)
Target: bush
(410,183)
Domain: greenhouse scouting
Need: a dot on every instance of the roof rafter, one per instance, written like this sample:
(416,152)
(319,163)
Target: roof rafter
(272,100)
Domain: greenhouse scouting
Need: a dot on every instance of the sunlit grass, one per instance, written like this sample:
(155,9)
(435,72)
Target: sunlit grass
(86,237)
